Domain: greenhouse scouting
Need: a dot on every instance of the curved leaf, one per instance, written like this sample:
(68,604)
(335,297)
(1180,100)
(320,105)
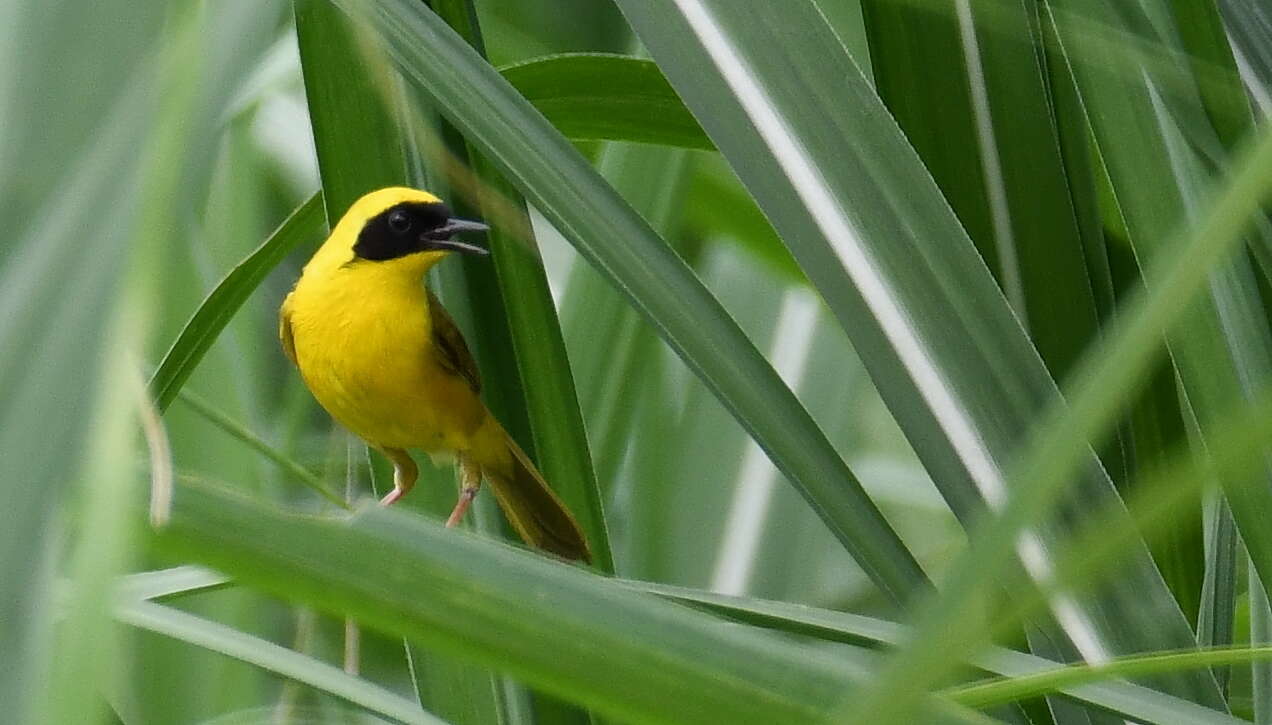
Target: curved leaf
(604,96)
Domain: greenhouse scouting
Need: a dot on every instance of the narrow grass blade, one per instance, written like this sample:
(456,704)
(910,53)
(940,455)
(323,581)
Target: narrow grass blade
(1261,637)
(551,402)
(1121,698)
(1249,26)
(163,584)
(1008,187)
(240,432)
(271,657)
(305,224)
(1040,683)
(349,98)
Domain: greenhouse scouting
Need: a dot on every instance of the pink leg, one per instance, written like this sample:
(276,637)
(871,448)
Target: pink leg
(470,481)
(404,474)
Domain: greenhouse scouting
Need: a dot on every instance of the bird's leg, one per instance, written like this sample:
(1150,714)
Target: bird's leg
(469,482)
(404,474)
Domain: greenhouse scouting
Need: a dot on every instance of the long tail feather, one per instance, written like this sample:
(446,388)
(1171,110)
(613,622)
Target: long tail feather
(532,507)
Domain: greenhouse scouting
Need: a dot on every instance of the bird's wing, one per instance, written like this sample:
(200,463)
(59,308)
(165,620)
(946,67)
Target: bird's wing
(448,341)
(285,331)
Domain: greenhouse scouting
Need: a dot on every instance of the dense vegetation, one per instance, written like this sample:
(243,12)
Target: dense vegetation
(904,360)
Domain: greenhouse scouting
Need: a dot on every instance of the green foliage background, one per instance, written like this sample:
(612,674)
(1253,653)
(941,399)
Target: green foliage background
(904,360)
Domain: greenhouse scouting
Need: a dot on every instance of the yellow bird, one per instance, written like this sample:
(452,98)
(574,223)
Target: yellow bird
(382,355)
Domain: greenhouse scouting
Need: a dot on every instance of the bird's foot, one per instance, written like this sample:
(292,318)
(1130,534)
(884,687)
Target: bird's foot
(461,507)
(404,475)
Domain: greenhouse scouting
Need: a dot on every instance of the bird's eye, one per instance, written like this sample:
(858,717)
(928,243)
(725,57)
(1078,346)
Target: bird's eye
(399,221)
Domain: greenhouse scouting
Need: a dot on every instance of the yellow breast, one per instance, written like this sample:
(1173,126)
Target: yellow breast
(363,343)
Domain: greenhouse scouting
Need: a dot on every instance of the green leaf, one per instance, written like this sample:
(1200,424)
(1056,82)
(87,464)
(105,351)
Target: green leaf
(1009,184)
(717,204)
(163,584)
(304,224)
(1249,26)
(652,180)
(593,96)
(51,346)
(349,98)
(552,175)
(557,627)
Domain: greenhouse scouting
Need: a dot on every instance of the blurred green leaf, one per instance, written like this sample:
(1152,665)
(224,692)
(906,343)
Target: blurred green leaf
(651,180)
(1040,683)
(269,656)
(1249,29)
(717,203)
(558,627)
(62,296)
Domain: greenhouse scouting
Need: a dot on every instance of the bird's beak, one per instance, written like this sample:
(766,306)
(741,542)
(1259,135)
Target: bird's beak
(442,237)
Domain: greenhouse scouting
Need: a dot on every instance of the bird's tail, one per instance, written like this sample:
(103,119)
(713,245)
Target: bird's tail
(536,513)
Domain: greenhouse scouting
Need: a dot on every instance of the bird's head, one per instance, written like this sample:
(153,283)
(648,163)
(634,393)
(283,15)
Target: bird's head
(406,229)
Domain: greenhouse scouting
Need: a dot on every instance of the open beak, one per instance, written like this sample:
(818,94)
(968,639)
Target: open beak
(443,237)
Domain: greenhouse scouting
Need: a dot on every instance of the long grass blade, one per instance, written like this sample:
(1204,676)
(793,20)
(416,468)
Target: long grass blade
(305,224)
(271,657)
(551,402)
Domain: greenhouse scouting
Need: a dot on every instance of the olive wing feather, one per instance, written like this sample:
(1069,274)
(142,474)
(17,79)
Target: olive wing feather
(285,331)
(448,341)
